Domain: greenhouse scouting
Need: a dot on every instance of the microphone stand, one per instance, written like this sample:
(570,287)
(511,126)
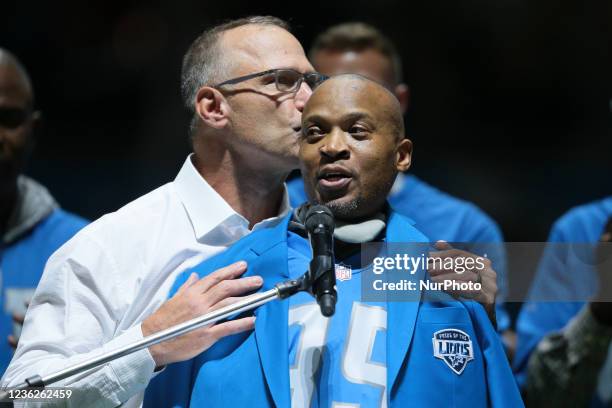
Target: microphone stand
(281,291)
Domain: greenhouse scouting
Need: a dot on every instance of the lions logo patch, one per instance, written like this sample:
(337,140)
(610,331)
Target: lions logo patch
(454,347)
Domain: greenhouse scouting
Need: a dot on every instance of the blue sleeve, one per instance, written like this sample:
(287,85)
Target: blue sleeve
(71,223)
(502,316)
(502,388)
(537,317)
(497,254)
(481,227)
(60,227)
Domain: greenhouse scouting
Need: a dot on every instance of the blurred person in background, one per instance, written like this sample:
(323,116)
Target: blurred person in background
(564,347)
(359,48)
(32,225)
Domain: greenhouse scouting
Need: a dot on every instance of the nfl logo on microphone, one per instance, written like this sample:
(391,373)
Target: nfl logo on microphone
(454,347)
(343,272)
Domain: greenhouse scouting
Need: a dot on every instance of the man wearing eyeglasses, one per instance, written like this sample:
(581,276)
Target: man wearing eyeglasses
(245,83)
(32,226)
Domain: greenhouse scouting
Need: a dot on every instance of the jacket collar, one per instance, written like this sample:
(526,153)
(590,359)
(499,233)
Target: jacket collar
(271,319)
(271,323)
(401,315)
(214,221)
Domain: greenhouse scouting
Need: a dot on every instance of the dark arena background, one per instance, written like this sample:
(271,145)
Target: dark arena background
(511,99)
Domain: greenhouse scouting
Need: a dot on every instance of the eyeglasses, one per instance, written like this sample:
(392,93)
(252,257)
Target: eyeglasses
(286,79)
(12,118)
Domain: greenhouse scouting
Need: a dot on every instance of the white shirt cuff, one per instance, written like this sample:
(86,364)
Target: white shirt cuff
(135,370)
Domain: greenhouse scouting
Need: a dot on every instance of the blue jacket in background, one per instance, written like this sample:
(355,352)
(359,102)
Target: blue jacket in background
(561,277)
(22,262)
(252,369)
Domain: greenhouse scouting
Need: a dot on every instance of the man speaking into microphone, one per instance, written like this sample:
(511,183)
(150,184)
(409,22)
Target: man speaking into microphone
(369,353)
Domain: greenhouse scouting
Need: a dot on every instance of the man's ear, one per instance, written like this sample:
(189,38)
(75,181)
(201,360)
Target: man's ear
(402,93)
(36,125)
(36,120)
(212,107)
(403,155)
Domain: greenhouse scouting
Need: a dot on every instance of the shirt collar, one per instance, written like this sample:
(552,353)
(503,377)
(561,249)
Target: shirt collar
(210,215)
(284,209)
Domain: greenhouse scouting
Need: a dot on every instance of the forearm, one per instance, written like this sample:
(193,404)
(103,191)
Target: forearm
(563,369)
(107,386)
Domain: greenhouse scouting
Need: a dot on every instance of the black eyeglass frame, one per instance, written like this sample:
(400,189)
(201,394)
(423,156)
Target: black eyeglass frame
(275,71)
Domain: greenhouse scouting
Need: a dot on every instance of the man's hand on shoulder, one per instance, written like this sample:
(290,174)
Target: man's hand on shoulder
(195,298)
(485,276)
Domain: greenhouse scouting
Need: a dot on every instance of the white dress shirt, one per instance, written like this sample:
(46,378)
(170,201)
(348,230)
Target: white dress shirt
(98,287)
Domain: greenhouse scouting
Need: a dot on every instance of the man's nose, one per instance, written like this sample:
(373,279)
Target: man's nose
(302,95)
(334,146)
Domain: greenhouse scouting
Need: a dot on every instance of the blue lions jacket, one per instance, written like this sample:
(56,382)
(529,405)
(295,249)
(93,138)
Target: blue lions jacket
(441,216)
(253,368)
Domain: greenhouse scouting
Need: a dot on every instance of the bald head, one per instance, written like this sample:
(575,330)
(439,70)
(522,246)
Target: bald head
(251,46)
(356,90)
(14,81)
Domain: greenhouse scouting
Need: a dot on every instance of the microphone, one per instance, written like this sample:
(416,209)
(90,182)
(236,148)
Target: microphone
(319,223)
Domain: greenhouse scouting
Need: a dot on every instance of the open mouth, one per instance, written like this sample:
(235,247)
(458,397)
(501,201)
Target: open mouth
(334,178)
